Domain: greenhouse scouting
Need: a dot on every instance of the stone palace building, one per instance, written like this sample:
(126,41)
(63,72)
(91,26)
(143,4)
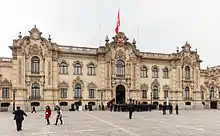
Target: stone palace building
(42,73)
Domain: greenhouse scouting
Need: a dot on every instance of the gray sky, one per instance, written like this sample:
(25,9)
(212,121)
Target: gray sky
(162,24)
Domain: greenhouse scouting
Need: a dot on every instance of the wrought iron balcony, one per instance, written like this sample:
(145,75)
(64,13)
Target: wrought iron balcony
(34,97)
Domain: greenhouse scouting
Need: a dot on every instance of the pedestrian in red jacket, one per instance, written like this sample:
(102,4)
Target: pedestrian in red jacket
(48,114)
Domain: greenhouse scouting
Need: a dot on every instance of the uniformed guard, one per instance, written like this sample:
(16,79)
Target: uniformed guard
(164,109)
(130,109)
(171,108)
(177,109)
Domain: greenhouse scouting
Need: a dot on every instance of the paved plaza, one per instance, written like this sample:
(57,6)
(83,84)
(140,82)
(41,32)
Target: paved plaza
(103,123)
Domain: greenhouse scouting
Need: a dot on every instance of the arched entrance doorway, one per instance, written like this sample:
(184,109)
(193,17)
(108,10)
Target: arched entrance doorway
(120,94)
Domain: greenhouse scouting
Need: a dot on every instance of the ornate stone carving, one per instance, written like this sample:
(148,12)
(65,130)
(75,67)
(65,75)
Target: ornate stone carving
(35,33)
(155,66)
(166,87)
(166,68)
(34,50)
(144,87)
(63,84)
(91,85)
(5,82)
(91,63)
(187,60)
(78,80)
(120,54)
(77,62)
(155,83)
(63,61)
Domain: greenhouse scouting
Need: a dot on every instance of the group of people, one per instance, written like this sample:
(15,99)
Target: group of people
(19,116)
(170,108)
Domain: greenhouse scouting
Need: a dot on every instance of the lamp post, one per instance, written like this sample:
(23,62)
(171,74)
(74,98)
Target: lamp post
(14,99)
(151,97)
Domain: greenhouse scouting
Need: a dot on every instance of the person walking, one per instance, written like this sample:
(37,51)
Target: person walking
(19,117)
(33,110)
(177,109)
(59,116)
(48,114)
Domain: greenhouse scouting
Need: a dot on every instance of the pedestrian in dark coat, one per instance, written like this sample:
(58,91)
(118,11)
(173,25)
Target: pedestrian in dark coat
(164,109)
(130,110)
(59,116)
(19,117)
(177,109)
(171,109)
(48,114)
(33,110)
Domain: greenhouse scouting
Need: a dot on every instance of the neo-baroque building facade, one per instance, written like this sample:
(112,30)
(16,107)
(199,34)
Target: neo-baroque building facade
(42,73)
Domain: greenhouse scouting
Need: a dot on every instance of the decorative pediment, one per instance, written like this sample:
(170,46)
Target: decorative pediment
(77,80)
(91,85)
(77,62)
(63,61)
(166,87)
(144,87)
(35,33)
(91,63)
(187,60)
(5,82)
(155,67)
(34,50)
(166,69)
(120,54)
(155,83)
(143,67)
(63,84)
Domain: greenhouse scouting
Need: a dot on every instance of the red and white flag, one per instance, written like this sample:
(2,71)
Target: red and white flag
(118,23)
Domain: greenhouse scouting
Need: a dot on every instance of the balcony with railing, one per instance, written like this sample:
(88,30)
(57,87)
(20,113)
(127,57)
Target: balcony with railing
(34,97)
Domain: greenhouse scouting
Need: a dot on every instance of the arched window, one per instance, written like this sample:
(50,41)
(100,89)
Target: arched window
(120,67)
(77,69)
(35,65)
(143,72)
(78,91)
(187,72)
(91,69)
(35,91)
(155,92)
(165,73)
(212,95)
(63,68)
(155,72)
(187,95)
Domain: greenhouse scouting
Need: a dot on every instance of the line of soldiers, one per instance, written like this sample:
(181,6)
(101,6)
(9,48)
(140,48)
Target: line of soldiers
(170,108)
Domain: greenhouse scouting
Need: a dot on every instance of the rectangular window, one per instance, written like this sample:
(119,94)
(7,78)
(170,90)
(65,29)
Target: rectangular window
(144,93)
(165,94)
(63,93)
(143,74)
(91,71)
(202,95)
(91,93)
(78,70)
(5,92)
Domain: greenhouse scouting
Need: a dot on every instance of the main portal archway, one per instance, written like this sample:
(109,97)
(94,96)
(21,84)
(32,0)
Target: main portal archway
(120,94)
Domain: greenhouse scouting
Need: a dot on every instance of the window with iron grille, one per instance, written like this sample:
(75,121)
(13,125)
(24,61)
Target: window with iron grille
(91,93)
(5,92)
(63,93)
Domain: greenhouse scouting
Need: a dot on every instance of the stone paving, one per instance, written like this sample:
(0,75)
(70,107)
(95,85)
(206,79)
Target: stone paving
(103,123)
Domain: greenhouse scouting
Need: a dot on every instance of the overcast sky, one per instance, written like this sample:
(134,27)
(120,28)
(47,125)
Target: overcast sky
(162,24)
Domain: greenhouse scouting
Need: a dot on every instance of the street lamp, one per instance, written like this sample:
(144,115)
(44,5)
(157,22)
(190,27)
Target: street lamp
(151,97)
(14,99)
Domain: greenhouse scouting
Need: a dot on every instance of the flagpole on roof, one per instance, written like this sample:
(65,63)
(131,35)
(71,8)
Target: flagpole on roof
(100,41)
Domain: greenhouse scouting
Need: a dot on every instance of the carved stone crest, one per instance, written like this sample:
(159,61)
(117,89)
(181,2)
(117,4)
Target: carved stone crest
(121,39)
(120,54)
